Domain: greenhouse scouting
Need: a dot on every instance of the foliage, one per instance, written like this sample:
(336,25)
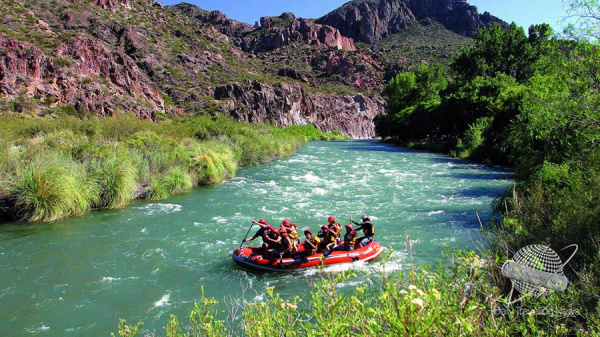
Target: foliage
(55,168)
(583,20)
(47,189)
(457,298)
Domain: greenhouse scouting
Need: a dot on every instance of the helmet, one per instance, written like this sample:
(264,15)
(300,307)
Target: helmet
(262,221)
(349,226)
(365,217)
(331,219)
(275,231)
(324,227)
(307,231)
(283,230)
(286,222)
(270,227)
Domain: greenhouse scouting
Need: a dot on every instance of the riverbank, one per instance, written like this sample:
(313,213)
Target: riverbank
(57,168)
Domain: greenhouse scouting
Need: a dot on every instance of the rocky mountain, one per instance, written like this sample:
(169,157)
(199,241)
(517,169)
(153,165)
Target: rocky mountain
(371,21)
(107,57)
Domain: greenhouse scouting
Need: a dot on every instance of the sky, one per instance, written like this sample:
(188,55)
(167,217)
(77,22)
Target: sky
(523,13)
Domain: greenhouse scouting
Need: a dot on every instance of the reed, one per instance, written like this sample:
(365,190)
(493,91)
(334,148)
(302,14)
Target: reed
(176,181)
(49,190)
(117,181)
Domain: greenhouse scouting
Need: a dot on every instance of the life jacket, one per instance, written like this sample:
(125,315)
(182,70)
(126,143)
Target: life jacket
(293,233)
(350,239)
(310,250)
(285,243)
(368,230)
(336,228)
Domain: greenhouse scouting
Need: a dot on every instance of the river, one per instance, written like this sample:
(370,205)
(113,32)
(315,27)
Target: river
(77,277)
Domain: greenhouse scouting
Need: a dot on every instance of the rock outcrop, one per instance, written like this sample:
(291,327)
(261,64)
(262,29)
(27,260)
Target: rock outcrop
(275,33)
(369,21)
(229,27)
(289,104)
(83,74)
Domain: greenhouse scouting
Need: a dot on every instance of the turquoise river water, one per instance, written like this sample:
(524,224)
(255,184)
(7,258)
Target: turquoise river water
(77,277)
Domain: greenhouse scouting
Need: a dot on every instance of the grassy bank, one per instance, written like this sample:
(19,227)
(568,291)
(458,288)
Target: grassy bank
(55,168)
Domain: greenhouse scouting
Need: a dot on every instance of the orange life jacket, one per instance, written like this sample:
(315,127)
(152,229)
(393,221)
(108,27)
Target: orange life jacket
(350,239)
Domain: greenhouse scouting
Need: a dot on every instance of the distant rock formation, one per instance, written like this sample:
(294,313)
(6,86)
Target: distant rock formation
(277,32)
(369,21)
(288,104)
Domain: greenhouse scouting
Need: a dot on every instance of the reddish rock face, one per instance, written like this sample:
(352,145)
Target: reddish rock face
(111,4)
(89,77)
(299,30)
(288,104)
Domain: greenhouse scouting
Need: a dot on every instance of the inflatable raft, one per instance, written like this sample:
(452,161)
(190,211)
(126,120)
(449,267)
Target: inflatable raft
(251,258)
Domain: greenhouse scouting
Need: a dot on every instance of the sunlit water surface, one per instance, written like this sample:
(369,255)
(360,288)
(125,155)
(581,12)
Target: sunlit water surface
(79,276)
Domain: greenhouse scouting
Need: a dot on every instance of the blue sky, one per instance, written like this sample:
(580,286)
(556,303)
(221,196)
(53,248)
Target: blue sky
(524,13)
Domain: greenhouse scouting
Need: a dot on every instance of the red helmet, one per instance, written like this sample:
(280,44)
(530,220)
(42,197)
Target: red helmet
(270,227)
(283,230)
(331,219)
(307,231)
(349,226)
(275,231)
(286,222)
(324,227)
(262,221)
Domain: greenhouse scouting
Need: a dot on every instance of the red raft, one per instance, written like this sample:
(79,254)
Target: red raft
(251,258)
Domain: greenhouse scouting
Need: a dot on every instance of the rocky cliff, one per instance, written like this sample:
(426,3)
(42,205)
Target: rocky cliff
(82,74)
(371,21)
(289,104)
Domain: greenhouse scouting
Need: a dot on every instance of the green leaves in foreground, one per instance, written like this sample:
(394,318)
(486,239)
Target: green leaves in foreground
(455,299)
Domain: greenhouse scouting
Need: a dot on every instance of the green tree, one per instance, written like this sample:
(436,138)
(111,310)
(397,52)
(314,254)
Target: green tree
(583,20)
(509,52)
(412,98)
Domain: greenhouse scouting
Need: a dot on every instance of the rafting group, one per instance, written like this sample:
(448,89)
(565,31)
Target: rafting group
(285,241)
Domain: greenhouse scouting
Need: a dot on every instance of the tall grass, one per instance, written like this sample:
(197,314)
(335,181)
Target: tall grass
(117,182)
(48,190)
(176,181)
(456,298)
(55,168)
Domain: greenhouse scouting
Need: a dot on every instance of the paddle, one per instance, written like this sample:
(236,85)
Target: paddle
(248,232)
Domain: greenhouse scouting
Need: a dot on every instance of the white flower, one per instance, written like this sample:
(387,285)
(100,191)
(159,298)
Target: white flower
(417,302)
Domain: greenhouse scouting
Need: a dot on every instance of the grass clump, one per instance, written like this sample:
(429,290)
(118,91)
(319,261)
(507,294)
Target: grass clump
(116,179)
(176,181)
(49,190)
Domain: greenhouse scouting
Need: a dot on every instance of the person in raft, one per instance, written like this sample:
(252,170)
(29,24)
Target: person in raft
(327,238)
(286,247)
(349,238)
(262,223)
(368,230)
(292,231)
(335,227)
(311,244)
